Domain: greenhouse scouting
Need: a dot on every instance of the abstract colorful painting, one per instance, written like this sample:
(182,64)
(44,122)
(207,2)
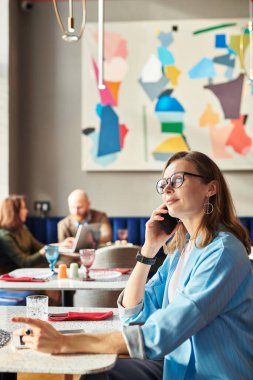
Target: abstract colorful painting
(168,87)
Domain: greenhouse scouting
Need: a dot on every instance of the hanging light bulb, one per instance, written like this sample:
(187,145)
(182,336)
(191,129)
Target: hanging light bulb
(69,34)
(71,20)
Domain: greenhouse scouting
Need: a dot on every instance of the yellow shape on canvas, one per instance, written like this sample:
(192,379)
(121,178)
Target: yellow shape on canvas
(172,73)
(209,117)
(234,44)
(172,144)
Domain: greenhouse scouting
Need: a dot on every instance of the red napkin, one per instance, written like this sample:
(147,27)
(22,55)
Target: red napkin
(8,277)
(121,270)
(77,316)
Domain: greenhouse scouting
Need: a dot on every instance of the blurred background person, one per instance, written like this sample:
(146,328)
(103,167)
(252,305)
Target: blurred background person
(81,213)
(18,247)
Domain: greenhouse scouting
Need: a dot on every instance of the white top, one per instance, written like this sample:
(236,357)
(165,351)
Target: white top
(178,271)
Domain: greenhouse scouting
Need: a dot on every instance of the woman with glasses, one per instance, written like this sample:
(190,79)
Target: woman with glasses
(194,318)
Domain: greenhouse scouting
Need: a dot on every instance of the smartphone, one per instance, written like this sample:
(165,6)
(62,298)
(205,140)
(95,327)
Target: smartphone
(168,224)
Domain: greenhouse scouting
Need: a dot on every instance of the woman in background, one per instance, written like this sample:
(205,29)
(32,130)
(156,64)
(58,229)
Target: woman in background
(18,247)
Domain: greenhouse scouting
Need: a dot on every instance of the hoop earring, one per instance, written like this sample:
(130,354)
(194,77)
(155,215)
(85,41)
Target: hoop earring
(208,207)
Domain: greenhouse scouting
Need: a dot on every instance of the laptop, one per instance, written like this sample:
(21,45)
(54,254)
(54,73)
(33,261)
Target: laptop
(87,236)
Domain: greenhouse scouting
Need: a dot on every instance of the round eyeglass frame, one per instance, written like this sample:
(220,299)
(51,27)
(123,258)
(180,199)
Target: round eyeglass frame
(173,184)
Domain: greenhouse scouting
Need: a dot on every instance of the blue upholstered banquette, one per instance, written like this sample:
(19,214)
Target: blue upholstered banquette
(45,229)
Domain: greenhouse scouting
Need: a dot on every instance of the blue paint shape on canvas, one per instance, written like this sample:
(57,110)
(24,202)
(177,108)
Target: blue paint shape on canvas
(166,38)
(103,160)
(165,56)
(99,108)
(203,69)
(167,103)
(109,138)
(153,89)
(225,60)
(229,73)
(220,41)
(251,88)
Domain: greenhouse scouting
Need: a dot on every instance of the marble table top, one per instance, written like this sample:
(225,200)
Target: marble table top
(25,360)
(118,283)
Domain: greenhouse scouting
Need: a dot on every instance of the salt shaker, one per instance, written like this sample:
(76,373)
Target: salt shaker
(73,272)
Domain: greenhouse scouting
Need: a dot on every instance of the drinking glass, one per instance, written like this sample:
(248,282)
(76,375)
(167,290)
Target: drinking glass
(52,254)
(37,307)
(123,234)
(87,257)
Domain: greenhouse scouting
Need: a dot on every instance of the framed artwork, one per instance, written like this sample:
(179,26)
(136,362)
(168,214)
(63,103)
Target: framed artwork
(169,86)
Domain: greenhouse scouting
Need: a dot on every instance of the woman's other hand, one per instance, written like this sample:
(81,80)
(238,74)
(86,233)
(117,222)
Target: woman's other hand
(43,336)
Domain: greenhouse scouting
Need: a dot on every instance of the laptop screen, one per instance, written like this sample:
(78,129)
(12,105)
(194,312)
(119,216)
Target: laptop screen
(87,236)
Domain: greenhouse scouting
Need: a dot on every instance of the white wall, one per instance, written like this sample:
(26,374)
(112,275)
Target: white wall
(48,163)
(4,98)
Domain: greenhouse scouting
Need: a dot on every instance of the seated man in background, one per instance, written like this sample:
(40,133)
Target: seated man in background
(81,213)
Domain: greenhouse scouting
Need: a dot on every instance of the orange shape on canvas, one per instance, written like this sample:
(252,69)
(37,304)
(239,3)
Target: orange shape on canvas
(238,139)
(113,87)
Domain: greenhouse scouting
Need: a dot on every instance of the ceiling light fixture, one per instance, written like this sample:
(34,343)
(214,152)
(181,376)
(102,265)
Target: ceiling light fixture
(69,34)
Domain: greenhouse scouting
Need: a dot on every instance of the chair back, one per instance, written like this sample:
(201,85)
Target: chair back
(116,256)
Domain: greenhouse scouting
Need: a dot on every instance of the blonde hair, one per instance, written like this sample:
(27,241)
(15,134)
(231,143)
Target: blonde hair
(223,215)
(9,212)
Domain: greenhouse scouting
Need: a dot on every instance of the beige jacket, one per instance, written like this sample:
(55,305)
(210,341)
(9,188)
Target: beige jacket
(67,227)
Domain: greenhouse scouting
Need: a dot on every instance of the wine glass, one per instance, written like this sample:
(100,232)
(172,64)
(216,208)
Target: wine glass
(52,254)
(87,257)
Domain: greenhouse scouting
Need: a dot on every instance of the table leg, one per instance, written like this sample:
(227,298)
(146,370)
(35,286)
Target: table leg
(9,376)
(67,298)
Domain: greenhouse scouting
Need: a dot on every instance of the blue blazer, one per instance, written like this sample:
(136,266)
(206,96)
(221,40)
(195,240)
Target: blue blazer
(207,330)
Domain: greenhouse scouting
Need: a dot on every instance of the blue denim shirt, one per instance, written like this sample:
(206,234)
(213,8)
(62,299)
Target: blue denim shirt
(207,330)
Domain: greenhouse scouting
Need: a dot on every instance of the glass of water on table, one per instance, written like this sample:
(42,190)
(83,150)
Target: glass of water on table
(37,307)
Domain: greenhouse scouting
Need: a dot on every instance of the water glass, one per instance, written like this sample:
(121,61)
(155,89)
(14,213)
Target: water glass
(37,307)
(52,254)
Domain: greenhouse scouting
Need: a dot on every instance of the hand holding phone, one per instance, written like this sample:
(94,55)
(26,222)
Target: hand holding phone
(168,224)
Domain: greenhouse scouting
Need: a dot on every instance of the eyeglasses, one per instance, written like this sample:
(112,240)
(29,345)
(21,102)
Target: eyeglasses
(176,181)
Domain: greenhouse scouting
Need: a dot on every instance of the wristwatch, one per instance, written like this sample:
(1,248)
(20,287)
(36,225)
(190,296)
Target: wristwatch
(145,260)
